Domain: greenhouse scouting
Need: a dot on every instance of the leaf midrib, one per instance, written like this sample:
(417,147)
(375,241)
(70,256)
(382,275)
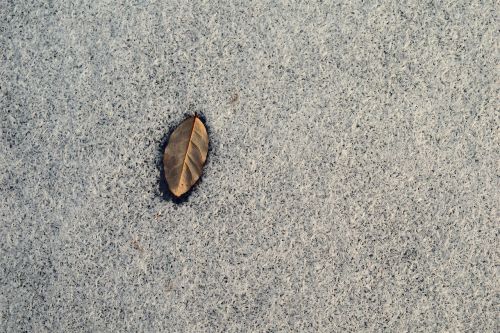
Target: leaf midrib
(184,164)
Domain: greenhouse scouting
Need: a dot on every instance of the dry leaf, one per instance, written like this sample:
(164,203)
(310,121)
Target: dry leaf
(185,155)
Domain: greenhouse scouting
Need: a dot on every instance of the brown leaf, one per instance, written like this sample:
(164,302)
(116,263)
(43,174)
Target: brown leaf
(185,155)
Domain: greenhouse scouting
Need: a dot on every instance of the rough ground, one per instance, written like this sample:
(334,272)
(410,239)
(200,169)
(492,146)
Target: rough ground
(352,184)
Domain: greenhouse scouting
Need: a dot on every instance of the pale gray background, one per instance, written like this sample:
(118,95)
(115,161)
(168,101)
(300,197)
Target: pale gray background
(351,186)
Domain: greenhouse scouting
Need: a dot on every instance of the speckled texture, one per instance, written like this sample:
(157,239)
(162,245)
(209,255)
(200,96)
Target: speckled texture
(351,185)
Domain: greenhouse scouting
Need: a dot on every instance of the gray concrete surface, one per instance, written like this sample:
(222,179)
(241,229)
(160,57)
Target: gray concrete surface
(351,187)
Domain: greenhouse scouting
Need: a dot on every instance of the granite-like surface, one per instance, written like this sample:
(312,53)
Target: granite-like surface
(352,183)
